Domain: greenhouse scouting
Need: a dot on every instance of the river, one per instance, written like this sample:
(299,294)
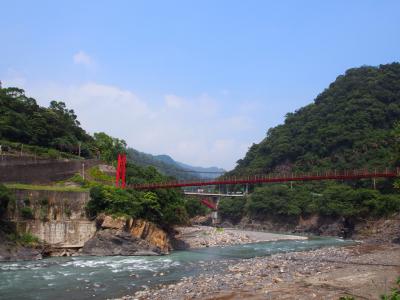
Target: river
(114,276)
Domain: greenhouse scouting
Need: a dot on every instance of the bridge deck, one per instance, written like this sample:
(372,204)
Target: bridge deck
(214,194)
(329,175)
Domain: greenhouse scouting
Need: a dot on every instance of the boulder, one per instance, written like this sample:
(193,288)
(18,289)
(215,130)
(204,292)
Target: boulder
(115,242)
(151,233)
(113,223)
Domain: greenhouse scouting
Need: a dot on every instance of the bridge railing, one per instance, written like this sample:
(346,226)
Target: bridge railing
(280,177)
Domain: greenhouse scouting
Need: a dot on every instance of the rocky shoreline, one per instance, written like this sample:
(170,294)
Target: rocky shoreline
(364,270)
(205,236)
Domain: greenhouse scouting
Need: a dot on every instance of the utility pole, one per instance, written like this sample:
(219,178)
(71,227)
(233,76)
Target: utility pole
(83,171)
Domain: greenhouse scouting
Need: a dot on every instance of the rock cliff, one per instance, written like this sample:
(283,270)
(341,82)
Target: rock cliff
(126,236)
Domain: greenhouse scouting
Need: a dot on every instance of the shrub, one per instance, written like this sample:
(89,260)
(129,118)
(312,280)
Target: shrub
(52,153)
(100,176)
(27,213)
(195,208)
(68,212)
(26,239)
(232,208)
(5,198)
(112,200)
(273,200)
(175,214)
(395,292)
(163,207)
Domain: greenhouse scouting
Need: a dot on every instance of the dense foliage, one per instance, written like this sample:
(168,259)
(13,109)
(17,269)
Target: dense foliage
(194,207)
(5,198)
(232,209)
(332,200)
(352,124)
(164,207)
(26,126)
(23,120)
(327,199)
(349,125)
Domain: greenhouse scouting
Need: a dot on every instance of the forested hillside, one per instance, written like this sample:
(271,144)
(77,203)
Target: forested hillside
(22,120)
(349,125)
(354,123)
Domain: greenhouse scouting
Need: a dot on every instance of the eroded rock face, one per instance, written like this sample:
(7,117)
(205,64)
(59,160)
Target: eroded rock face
(113,223)
(151,233)
(122,236)
(116,242)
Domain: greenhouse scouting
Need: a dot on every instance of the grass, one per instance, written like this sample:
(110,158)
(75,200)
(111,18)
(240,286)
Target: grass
(35,150)
(25,239)
(34,187)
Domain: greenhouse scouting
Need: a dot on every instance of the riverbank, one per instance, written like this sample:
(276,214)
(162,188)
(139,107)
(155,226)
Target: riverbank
(364,271)
(198,236)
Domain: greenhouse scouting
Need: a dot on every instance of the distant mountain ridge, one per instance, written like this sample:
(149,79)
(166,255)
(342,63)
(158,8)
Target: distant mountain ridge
(209,172)
(168,166)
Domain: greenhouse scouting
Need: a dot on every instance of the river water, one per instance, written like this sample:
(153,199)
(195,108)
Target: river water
(114,276)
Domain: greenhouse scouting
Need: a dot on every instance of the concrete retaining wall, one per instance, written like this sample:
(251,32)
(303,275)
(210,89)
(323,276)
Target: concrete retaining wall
(42,171)
(59,217)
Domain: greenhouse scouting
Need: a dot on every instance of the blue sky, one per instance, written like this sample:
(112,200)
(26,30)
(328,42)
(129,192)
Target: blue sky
(198,80)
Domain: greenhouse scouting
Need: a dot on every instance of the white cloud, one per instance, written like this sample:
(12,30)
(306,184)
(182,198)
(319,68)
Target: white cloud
(13,78)
(192,130)
(174,101)
(82,58)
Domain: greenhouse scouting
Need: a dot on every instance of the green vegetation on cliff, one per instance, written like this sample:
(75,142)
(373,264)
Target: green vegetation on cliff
(349,125)
(164,207)
(5,198)
(352,124)
(333,200)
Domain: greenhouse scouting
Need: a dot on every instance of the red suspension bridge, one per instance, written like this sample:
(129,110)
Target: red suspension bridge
(271,178)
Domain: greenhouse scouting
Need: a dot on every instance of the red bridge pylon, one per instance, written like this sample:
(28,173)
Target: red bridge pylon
(121,171)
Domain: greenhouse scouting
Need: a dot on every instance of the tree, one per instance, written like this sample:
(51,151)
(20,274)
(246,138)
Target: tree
(108,147)
(232,209)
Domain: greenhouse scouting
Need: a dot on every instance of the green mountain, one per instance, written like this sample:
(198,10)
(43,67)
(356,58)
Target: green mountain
(165,167)
(201,172)
(349,125)
(168,166)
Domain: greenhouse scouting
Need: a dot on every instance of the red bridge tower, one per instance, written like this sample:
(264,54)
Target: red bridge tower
(121,171)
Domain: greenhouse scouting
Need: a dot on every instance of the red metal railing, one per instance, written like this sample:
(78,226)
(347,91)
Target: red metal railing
(327,175)
(209,204)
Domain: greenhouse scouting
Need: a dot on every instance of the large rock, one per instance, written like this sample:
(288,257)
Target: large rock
(15,253)
(116,242)
(150,232)
(113,223)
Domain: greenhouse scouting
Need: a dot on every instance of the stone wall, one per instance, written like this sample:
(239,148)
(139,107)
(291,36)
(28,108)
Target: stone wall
(24,170)
(58,217)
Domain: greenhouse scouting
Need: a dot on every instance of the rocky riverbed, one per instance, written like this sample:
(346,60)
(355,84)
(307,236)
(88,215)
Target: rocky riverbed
(206,236)
(364,271)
